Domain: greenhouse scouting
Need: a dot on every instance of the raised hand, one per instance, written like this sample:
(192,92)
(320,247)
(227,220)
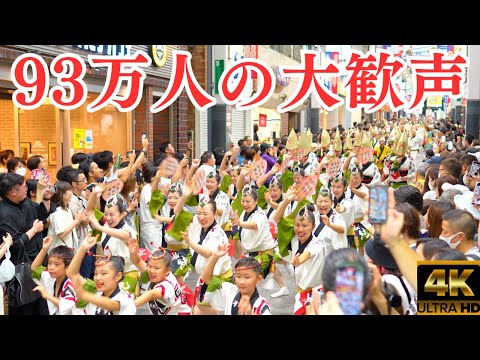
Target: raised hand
(7,240)
(133,247)
(165,190)
(184,162)
(195,163)
(185,237)
(81,216)
(37,226)
(221,250)
(89,242)
(47,242)
(40,288)
(325,220)
(93,221)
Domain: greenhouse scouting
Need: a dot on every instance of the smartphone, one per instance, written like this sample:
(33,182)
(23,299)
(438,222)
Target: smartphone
(144,136)
(91,186)
(349,289)
(378,204)
(476,195)
(474,169)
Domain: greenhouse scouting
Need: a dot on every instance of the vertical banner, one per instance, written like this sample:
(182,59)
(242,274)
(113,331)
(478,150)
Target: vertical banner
(335,57)
(219,68)
(262,120)
(251,51)
(79,138)
(88,139)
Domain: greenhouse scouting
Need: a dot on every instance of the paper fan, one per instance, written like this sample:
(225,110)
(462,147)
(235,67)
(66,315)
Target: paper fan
(333,167)
(258,169)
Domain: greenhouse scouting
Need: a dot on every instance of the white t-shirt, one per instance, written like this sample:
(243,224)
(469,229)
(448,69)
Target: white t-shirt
(59,220)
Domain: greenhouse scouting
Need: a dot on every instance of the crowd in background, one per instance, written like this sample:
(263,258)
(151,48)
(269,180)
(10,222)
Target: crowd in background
(119,234)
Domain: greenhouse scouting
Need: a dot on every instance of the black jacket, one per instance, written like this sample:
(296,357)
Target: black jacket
(17,219)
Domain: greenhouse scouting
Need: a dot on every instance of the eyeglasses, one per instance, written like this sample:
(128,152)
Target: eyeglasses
(81,181)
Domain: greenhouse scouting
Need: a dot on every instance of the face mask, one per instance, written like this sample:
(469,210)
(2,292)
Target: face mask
(449,240)
(431,185)
(22,171)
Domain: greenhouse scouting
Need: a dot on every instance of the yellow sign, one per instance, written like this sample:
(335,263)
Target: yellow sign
(79,138)
(434,101)
(159,53)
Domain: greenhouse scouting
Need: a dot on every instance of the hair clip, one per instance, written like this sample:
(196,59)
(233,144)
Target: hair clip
(158,257)
(175,187)
(112,200)
(205,200)
(304,212)
(338,177)
(274,181)
(247,190)
(212,174)
(103,258)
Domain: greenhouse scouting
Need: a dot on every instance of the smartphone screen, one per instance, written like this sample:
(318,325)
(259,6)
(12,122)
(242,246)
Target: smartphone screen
(475,169)
(476,195)
(349,289)
(378,204)
(144,136)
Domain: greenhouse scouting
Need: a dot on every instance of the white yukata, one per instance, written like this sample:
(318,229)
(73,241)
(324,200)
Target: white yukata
(360,205)
(370,170)
(347,202)
(150,228)
(223,202)
(66,295)
(227,297)
(172,302)
(214,237)
(309,274)
(127,304)
(270,212)
(260,239)
(332,239)
(58,222)
(117,247)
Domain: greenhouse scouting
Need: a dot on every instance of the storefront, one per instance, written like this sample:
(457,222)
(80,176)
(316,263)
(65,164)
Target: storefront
(57,134)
